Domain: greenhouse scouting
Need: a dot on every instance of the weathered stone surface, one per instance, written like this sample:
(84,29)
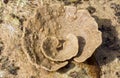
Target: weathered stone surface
(107,55)
(49,28)
(54,50)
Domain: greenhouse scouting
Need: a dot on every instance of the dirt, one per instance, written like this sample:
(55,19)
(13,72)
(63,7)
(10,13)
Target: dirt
(22,30)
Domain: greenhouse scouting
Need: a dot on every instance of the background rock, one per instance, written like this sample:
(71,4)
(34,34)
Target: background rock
(106,13)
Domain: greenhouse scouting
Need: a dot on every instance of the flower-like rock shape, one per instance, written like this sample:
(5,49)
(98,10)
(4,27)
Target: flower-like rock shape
(56,34)
(51,46)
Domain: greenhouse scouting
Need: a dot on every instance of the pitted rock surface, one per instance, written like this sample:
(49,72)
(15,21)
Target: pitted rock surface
(58,21)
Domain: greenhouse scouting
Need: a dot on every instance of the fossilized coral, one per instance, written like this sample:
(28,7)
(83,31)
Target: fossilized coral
(47,41)
(69,48)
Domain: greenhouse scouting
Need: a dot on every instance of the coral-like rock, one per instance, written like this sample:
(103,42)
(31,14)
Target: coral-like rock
(47,41)
(65,52)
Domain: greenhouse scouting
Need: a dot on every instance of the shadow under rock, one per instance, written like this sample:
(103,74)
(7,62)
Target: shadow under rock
(81,42)
(71,65)
(110,47)
(68,67)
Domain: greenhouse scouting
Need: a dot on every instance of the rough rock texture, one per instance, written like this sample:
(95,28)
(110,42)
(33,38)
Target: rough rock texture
(52,21)
(60,50)
(17,62)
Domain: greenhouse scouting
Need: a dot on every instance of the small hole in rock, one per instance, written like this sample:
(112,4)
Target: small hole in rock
(1,21)
(118,74)
(91,9)
(117,14)
(32,77)
(73,74)
(5,1)
(113,5)
(104,58)
(1,46)
(104,72)
(12,69)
